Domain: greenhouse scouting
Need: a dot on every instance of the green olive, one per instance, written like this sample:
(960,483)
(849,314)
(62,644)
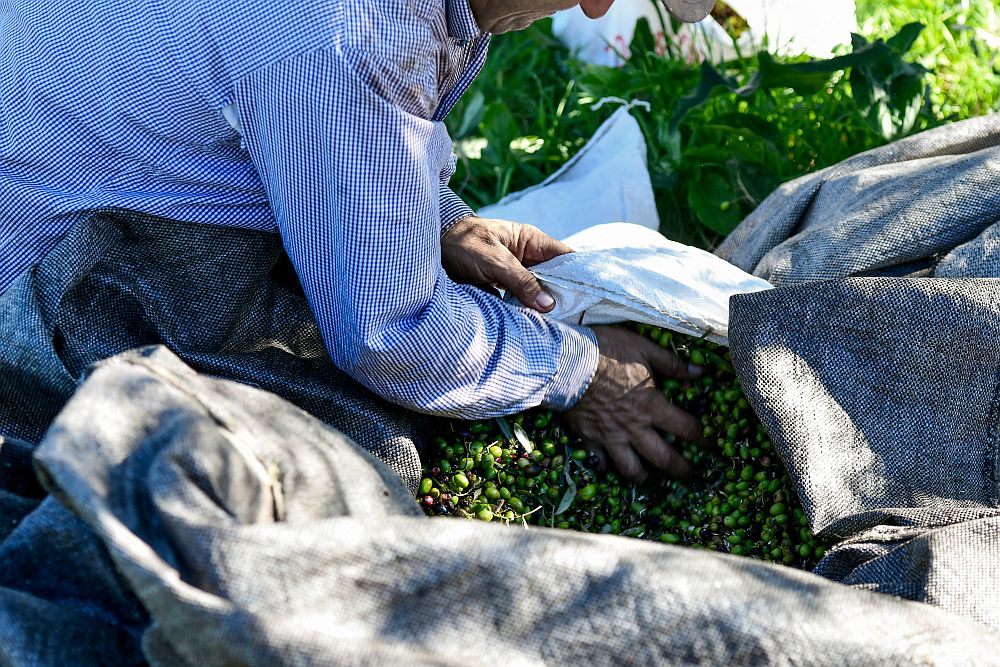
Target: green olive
(459,481)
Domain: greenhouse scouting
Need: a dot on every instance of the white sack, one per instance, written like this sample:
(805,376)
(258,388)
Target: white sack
(627,273)
(606,181)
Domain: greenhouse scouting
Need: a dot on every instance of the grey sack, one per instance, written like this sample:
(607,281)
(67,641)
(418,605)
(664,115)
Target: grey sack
(226,300)
(227,304)
(252,534)
(195,521)
(879,383)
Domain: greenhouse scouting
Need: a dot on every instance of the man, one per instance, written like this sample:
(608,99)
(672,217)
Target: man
(322,121)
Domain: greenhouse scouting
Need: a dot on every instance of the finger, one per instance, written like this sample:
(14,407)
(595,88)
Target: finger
(539,246)
(513,277)
(626,461)
(669,418)
(660,455)
(665,362)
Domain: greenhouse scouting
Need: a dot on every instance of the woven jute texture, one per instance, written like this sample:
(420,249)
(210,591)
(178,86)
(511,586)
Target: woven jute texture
(183,512)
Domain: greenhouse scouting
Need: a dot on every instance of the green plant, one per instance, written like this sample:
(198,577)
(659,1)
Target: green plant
(720,139)
(960,45)
(521,120)
(752,124)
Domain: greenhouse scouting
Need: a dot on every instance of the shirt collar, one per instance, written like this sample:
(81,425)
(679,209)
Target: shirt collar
(462,24)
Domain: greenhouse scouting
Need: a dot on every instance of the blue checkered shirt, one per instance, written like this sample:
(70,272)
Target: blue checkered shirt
(318,119)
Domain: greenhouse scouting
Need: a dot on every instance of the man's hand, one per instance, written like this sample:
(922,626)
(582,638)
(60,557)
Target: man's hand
(622,409)
(485,252)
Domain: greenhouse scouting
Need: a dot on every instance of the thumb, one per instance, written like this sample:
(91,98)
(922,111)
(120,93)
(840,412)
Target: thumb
(514,278)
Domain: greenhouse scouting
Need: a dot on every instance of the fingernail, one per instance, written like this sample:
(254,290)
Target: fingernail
(544,300)
(695,370)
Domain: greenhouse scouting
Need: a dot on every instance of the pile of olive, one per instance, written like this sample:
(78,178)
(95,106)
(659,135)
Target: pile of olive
(525,470)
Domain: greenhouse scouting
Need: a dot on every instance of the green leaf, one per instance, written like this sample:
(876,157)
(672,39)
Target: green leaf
(764,129)
(471,116)
(721,143)
(753,180)
(663,175)
(803,78)
(809,77)
(903,40)
(862,90)
(668,140)
(522,438)
(500,128)
(515,434)
(643,41)
(712,199)
(704,155)
(711,81)
(570,494)
(889,90)
(505,428)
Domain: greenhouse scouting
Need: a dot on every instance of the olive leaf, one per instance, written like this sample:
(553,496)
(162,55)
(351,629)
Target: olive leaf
(516,434)
(505,428)
(570,494)
(522,438)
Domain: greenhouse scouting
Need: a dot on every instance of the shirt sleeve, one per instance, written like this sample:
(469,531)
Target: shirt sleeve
(453,208)
(355,182)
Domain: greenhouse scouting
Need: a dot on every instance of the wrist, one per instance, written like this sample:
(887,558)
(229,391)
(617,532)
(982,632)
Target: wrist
(453,210)
(457,224)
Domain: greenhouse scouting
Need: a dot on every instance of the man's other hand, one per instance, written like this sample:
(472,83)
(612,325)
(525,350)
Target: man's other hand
(487,253)
(622,412)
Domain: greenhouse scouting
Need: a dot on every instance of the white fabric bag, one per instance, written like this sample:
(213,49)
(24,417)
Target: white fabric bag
(627,273)
(606,181)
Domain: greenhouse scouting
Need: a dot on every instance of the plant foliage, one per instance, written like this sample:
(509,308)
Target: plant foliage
(720,138)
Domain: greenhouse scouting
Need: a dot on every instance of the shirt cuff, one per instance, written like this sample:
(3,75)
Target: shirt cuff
(575,370)
(453,208)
